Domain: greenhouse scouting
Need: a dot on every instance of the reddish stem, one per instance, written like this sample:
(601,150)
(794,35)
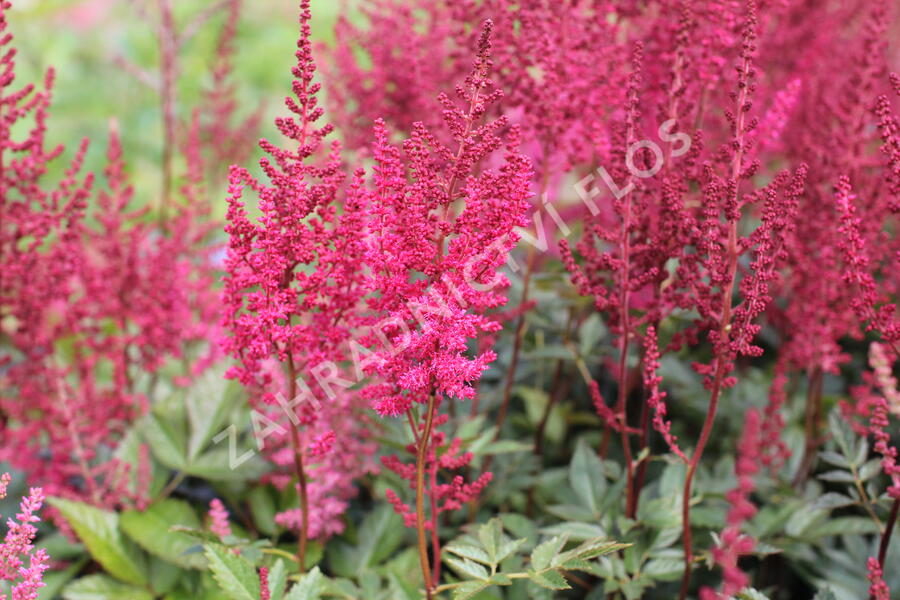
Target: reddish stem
(421,456)
(299,472)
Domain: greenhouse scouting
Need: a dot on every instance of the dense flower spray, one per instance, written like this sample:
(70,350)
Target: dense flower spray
(18,545)
(118,295)
(442,224)
(292,292)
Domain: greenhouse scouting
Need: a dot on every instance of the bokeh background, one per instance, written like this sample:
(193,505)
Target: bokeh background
(88,42)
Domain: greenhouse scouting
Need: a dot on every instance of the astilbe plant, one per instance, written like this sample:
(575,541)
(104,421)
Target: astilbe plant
(292,292)
(442,223)
(91,305)
(663,250)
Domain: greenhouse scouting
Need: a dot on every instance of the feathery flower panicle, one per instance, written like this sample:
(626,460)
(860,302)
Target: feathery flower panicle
(133,300)
(441,225)
(657,398)
(443,455)
(218,518)
(264,592)
(878,589)
(26,579)
(227,143)
(293,289)
(436,269)
(556,61)
(879,417)
(870,305)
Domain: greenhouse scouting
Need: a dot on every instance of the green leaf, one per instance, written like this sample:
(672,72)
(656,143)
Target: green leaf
(308,588)
(586,476)
(215,465)
(55,580)
(542,556)
(99,531)
(870,469)
(469,589)
(101,587)
(234,574)
(576,531)
(263,509)
(507,549)
(843,526)
(491,536)
(468,568)
(469,551)
(664,569)
(163,575)
(752,594)
(835,459)
(505,447)
(825,594)
(832,500)
(551,580)
(379,536)
(598,547)
(167,445)
(151,529)
(277,580)
(590,332)
(207,403)
(837,475)
(59,547)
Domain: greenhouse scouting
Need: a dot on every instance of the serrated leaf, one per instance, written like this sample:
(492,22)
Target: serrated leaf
(308,588)
(469,551)
(151,530)
(234,574)
(468,568)
(508,548)
(598,547)
(102,587)
(469,589)
(576,531)
(543,554)
(491,536)
(277,579)
(99,531)
(552,580)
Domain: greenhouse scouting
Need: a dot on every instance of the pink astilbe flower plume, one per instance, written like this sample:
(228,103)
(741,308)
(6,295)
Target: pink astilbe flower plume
(442,224)
(26,579)
(292,295)
(218,518)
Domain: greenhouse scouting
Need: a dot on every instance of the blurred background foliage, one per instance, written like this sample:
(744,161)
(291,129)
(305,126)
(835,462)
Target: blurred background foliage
(87,42)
